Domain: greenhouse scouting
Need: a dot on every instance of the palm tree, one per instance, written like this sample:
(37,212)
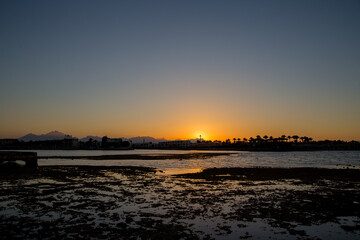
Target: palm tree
(245,139)
(265,137)
(283,137)
(271,138)
(238,140)
(295,137)
(234,139)
(289,137)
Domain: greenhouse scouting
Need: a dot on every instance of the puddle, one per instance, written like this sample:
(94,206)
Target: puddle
(175,171)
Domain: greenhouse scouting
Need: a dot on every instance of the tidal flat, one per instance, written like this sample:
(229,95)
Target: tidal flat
(108,202)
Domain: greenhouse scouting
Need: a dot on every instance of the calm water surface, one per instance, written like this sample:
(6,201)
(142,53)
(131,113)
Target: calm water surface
(327,159)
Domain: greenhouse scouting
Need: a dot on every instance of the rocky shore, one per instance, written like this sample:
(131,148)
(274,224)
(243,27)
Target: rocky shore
(75,202)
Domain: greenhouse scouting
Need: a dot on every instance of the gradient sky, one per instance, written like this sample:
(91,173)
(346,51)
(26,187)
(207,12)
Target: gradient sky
(177,69)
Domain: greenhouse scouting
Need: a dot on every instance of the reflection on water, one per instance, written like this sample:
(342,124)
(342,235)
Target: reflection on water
(110,152)
(174,171)
(327,159)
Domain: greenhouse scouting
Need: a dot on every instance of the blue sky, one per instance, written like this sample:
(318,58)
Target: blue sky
(173,68)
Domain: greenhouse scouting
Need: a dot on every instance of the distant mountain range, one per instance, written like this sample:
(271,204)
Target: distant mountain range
(133,139)
(56,135)
(145,139)
(85,139)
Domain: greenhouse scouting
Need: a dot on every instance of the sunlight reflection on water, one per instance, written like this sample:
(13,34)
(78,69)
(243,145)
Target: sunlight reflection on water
(326,159)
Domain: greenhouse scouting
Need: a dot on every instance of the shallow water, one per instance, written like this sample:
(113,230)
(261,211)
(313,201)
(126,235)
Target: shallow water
(324,159)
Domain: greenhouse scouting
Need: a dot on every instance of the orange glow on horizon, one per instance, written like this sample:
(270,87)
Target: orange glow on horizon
(202,135)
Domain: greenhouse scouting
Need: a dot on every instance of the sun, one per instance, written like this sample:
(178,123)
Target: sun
(201,134)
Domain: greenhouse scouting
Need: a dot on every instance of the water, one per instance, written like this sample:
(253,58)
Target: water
(325,159)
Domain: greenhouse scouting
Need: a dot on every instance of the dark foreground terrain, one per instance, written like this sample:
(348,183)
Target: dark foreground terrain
(72,202)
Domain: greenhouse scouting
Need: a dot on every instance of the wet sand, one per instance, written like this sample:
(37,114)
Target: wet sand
(268,173)
(74,202)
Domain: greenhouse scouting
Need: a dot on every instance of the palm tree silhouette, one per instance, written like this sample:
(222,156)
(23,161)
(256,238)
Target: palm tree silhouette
(295,137)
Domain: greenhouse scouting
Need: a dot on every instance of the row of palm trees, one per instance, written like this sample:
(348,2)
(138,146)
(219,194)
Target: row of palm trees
(265,138)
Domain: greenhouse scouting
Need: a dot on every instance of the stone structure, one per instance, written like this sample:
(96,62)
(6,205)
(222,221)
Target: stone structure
(30,158)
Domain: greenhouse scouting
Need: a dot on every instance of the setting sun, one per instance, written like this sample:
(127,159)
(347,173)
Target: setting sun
(202,135)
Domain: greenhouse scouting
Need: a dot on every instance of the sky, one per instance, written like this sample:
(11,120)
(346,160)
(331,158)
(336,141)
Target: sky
(178,69)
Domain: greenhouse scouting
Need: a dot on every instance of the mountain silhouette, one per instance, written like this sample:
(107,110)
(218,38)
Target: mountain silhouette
(145,139)
(56,135)
(53,135)
(87,138)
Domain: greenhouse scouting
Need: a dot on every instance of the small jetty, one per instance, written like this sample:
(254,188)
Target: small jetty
(30,158)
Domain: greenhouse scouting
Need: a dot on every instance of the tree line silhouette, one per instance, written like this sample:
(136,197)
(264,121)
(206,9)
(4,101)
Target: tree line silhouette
(282,143)
(266,139)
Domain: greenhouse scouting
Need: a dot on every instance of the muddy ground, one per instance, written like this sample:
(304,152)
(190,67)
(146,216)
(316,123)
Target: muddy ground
(72,202)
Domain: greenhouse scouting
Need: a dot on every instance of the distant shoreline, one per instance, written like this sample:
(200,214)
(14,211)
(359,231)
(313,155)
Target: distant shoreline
(141,156)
